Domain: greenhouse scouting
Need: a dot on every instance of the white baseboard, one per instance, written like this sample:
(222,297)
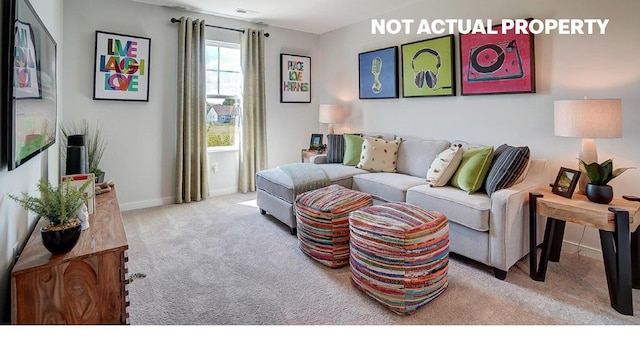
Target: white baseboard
(147,203)
(170,200)
(571,247)
(225,191)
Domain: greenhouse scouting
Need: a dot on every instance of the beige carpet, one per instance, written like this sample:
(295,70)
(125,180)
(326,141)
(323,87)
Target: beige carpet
(220,262)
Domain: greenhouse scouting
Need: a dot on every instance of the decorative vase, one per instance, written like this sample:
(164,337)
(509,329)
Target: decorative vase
(601,194)
(61,241)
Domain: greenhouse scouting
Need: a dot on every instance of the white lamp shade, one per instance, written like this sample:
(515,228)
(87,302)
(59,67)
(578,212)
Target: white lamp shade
(331,114)
(588,118)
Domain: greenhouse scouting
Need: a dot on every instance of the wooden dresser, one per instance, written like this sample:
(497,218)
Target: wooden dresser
(84,286)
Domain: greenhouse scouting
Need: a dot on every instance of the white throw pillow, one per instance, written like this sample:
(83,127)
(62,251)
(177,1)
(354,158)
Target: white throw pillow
(379,155)
(444,166)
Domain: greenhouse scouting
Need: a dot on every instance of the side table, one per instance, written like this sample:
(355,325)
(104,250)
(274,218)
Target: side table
(306,154)
(618,225)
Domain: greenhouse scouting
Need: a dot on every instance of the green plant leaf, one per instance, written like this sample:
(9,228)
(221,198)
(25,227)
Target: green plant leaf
(57,204)
(595,172)
(617,172)
(601,174)
(608,169)
(96,143)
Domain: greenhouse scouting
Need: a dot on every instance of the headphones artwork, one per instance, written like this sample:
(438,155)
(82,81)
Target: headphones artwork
(426,76)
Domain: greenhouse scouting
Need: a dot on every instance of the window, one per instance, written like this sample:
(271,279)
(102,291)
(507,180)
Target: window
(224,93)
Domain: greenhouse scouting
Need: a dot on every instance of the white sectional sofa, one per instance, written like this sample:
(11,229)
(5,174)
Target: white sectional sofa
(492,229)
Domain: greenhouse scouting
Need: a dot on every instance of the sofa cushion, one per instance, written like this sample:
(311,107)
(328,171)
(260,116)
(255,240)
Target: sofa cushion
(335,148)
(415,155)
(473,169)
(378,155)
(379,135)
(507,166)
(444,166)
(390,187)
(277,183)
(471,210)
(352,149)
(466,146)
(338,172)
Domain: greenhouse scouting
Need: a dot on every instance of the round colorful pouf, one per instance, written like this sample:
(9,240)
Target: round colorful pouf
(399,254)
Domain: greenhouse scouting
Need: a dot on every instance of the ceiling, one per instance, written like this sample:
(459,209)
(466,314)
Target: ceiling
(312,16)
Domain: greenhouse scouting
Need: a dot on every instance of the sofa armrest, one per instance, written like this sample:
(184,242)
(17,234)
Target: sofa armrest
(509,221)
(318,159)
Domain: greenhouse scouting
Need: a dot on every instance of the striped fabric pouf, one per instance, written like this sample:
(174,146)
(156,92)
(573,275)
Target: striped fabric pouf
(399,254)
(322,218)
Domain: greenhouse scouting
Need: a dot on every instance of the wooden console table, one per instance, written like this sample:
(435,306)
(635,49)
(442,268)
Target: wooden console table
(84,286)
(618,224)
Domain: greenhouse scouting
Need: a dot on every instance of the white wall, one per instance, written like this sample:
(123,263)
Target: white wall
(567,67)
(140,156)
(16,223)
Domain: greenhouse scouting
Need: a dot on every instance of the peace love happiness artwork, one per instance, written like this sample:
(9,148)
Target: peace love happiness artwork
(121,67)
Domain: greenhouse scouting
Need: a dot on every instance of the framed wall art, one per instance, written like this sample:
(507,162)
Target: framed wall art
(26,75)
(295,79)
(378,73)
(497,63)
(566,182)
(121,67)
(428,67)
(30,95)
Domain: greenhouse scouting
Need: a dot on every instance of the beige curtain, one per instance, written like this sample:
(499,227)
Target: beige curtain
(192,180)
(253,127)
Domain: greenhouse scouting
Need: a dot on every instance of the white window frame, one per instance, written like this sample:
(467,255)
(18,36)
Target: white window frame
(236,145)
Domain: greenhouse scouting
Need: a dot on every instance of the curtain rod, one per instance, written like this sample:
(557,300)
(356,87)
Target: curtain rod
(174,20)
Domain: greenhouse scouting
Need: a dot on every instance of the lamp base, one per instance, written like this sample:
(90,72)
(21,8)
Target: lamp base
(588,154)
(330,130)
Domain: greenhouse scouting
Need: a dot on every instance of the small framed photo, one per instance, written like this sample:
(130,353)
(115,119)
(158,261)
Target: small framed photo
(566,182)
(316,142)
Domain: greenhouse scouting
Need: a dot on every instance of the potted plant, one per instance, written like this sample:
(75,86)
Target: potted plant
(59,205)
(599,175)
(96,145)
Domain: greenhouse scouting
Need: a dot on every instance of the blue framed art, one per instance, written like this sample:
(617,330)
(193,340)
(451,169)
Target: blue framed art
(378,73)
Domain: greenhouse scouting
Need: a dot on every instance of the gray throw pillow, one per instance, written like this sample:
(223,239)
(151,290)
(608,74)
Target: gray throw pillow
(335,148)
(508,164)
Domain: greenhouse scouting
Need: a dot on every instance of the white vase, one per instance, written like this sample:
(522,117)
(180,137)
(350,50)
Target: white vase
(83,216)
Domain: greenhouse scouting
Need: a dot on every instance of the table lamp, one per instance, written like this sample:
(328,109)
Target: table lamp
(587,119)
(331,114)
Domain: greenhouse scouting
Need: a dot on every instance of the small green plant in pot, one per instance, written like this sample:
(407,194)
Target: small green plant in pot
(59,205)
(599,175)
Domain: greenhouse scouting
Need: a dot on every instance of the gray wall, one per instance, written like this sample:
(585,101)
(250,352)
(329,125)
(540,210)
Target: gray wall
(140,157)
(567,67)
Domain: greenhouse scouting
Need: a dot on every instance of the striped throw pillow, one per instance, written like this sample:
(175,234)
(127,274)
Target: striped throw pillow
(509,162)
(335,151)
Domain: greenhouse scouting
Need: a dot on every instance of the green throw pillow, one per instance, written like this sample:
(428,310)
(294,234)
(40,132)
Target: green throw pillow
(352,149)
(473,169)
